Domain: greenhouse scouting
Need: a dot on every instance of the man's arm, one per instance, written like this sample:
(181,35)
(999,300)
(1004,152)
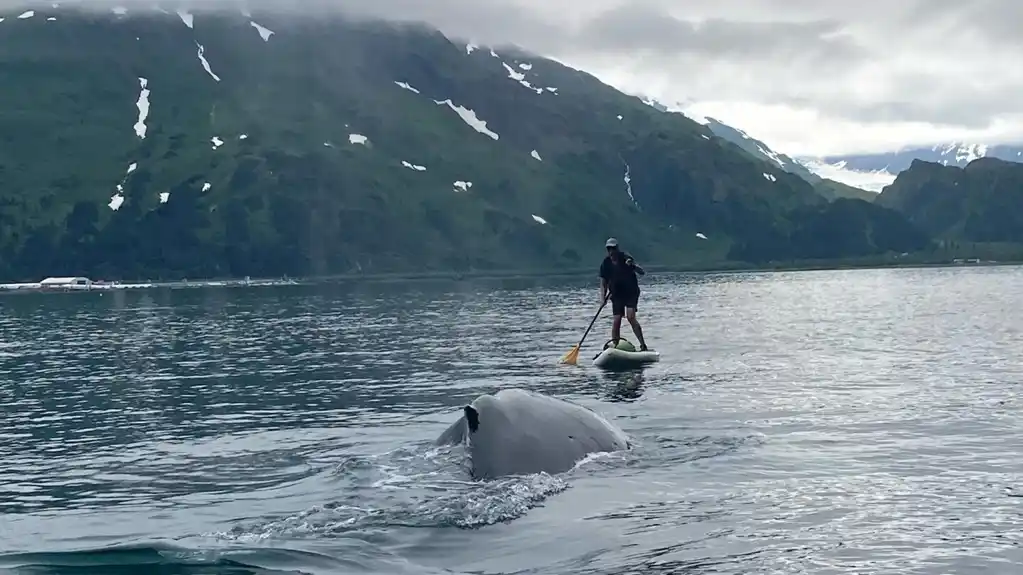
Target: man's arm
(605,274)
(632,263)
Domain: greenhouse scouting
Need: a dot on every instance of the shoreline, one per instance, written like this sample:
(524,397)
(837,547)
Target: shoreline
(651,269)
(388,277)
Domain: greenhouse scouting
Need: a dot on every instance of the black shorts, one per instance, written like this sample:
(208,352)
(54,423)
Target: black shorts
(620,301)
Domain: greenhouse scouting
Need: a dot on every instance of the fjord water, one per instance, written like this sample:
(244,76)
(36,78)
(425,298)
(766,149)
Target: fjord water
(807,422)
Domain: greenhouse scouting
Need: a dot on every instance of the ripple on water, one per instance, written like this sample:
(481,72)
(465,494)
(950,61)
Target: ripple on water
(825,422)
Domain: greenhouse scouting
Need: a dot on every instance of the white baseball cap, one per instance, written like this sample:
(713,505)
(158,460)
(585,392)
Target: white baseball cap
(611,243)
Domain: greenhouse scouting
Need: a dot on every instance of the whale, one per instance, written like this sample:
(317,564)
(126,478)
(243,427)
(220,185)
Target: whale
(520,432)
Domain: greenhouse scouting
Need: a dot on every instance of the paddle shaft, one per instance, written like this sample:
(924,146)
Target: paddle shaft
(594,320)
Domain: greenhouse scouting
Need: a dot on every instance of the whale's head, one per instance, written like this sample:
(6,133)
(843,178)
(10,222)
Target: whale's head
(518,432)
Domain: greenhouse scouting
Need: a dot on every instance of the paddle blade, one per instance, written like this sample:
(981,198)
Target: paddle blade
(571,357)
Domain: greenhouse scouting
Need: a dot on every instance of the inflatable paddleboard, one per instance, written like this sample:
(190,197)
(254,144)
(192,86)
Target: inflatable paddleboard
(619,358)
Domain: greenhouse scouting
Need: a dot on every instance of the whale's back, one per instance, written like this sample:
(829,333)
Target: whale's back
(517,432)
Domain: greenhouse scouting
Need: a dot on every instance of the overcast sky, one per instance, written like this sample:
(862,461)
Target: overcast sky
(807,77)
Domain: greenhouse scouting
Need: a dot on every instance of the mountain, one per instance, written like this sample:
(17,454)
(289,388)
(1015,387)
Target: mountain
(872,181)
(845,225)
(829,188)
(874,171)
(759,149)
(148,142)
(834,190)
(954,154)
(976,203)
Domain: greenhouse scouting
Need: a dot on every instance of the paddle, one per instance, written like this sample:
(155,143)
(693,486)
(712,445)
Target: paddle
(573,354)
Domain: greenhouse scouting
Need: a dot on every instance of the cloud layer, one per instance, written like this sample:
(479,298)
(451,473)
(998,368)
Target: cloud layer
(808,78)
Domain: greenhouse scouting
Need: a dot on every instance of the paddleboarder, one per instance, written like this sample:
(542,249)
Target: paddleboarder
(618,273)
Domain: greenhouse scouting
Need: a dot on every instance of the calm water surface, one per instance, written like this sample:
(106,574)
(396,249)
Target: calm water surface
(817,422)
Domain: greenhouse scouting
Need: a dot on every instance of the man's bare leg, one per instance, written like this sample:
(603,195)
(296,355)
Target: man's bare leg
(616,330)
(630,314)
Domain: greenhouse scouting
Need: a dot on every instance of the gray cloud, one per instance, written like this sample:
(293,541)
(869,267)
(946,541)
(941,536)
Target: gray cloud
(639,25)
(638,28)
(997,20)
(928,99)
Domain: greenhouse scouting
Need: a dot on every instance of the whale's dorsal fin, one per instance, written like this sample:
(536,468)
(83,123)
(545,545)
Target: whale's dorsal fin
(472,417)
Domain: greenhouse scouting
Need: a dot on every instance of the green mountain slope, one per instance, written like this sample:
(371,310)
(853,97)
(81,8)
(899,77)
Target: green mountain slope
(148,142)
(833,190)
(760,150)
(976,203)
(828,188)
(755,148)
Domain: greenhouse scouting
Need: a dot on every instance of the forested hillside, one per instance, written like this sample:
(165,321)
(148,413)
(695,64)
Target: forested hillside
(149,142)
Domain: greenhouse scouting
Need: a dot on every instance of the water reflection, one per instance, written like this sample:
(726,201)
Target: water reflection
(624,386)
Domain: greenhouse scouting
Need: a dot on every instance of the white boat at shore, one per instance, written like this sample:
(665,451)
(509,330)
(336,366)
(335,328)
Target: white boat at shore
(68,284)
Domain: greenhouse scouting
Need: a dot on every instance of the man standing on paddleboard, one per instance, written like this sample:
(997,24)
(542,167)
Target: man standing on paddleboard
(618,274)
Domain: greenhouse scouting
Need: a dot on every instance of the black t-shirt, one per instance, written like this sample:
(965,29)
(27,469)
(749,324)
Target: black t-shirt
(620,278)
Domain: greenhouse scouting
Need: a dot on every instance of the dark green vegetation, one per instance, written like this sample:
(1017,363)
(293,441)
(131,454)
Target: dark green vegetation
(979,203)
(833,190)
(291,190)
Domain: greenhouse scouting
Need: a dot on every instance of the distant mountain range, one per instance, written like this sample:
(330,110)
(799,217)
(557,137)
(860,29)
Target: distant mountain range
(874,171)
(953,154)
(856,172)
(977,203)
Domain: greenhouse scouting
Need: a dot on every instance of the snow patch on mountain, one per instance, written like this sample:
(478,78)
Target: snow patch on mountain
(143,105)
(116,200)
(872,181)
(520,78)
(406,86)
(187,18)
(962,152)
(950,154)
(264,33)
(678,107)
(469,117)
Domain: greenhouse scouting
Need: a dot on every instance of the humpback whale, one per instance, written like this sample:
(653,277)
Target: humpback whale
(519,432)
